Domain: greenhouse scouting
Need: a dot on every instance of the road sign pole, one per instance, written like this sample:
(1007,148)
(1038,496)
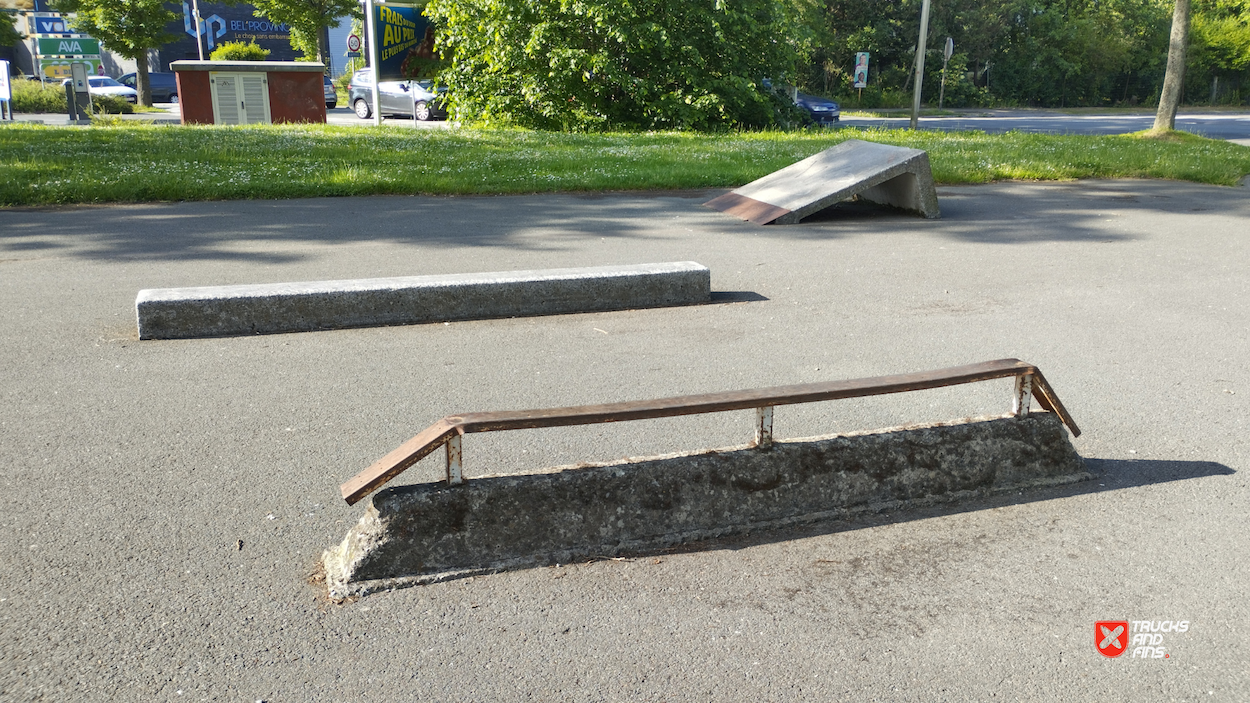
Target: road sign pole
(920,46)
(374,61)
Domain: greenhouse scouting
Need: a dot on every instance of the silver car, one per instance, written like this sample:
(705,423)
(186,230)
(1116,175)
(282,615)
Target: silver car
(399,98)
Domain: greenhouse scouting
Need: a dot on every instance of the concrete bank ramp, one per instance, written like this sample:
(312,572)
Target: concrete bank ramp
(429,532)
(879,173)
(220,311)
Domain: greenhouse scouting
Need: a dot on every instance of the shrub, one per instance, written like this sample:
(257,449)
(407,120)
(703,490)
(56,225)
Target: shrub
(607,64)
(33,96)
(239,51)
(111,105)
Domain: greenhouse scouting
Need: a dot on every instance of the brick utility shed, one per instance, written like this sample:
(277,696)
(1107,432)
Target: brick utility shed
(250,92)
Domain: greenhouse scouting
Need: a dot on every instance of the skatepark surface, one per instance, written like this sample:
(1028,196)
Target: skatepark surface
(165,503)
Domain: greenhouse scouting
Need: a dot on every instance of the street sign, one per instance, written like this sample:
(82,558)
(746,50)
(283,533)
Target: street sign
(353,44)
(76,46)
(950,49)
(861,69)
(6,93)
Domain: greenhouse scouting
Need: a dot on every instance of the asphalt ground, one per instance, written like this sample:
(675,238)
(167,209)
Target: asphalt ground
(165,502)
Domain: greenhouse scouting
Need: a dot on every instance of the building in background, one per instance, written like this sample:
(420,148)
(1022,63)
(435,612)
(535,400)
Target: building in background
(51,47)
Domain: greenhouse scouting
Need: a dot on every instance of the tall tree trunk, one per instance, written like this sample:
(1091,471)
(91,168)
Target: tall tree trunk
(143,85)
(1170,99)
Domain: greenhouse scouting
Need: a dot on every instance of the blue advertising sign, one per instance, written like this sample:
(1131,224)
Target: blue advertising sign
(404,42)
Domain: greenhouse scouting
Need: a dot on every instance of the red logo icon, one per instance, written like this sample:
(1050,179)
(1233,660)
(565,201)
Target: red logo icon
(1111,637)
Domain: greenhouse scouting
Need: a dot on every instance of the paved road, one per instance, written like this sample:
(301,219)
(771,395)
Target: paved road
(163,503)
(1216,125)
(1233,126)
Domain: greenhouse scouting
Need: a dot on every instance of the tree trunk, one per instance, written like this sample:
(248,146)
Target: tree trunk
(142,85)
(322,50)
(1170,99)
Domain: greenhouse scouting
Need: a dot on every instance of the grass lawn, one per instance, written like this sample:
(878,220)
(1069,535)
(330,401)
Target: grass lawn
(128,162)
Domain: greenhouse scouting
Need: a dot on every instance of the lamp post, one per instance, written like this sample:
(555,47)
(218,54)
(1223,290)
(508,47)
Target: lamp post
(199,44)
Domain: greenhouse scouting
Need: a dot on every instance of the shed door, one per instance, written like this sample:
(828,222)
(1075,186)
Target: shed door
(240,98)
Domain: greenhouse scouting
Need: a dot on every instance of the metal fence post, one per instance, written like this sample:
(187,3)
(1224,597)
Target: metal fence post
(1024,393)
(764,427)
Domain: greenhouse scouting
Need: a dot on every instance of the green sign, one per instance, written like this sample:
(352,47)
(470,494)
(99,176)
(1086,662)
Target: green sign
(80,46)
(59,69)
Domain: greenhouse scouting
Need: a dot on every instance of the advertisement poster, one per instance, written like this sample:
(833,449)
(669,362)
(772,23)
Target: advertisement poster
(58,69)
(405,46)
(221,23)
(861,69)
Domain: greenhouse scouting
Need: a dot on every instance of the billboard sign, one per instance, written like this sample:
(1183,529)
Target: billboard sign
(48,25)
(861,69)
(403,42)
(221,23)
(58,69)
(76,46)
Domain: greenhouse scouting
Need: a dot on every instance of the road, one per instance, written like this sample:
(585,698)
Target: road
(165,502)
(1233,126)
(1214,124)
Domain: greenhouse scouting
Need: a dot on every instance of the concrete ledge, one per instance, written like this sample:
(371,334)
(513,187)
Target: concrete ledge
(880,173)
(430,532)
(180,313)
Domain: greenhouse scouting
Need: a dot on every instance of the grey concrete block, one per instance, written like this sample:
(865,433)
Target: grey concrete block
(428,532)
(176,313)
(880,173)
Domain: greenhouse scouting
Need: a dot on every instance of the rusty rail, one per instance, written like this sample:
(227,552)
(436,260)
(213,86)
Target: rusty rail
(1030,383)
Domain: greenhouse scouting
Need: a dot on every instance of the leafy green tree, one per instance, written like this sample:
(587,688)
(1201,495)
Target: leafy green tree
(307,20)
(1219,50)
(621,64)
(9,36)
(239,51)
(128,28)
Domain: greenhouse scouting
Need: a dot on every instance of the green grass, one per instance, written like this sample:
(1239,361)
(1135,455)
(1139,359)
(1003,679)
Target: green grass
(125,162)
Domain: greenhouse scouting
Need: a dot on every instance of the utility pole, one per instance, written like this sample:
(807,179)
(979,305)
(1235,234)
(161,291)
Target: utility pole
(924,31)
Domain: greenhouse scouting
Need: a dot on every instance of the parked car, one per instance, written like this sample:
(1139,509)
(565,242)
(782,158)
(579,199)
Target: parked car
(164,86)
(399,98)
(103,85)
(823,110)
(332,95)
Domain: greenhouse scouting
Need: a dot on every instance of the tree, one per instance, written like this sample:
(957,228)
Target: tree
(1170,98)
(307,20)
(128,28)
(9,35)
(608,64)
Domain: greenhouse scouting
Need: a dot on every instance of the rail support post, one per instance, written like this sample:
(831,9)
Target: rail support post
(455,474)
(764,427)
(1024,393)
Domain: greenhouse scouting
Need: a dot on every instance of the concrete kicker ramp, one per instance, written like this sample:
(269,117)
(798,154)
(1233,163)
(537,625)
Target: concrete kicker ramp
(879,173)
(429,532)
(181,313)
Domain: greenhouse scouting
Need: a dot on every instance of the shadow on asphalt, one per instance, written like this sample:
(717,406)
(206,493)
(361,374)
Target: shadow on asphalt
(1109,475)
(1004,213)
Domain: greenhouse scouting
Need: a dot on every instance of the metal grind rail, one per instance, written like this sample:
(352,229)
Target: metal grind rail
(1030,383)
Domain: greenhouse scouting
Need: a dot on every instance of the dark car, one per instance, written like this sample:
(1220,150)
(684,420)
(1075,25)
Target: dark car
(164,86)
(823,110)
(399,98)
(332,95)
